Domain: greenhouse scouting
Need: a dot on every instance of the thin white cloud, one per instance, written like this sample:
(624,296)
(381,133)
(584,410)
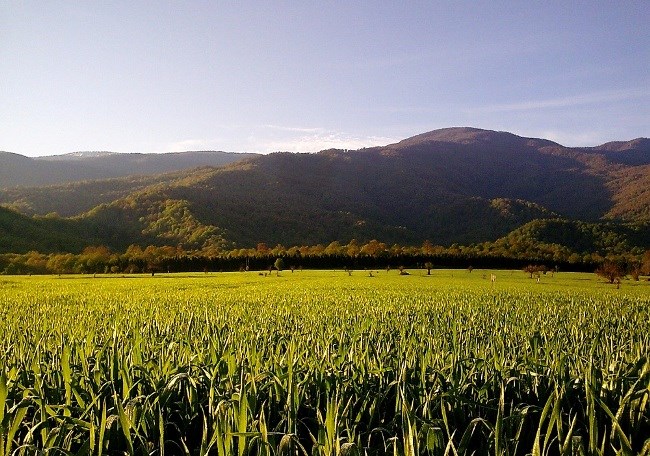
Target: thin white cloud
(295,129)
(277,138)
(288,138)
(564,102)
(323,140)
(193,144)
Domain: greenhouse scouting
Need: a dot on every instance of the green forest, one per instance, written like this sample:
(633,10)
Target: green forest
(508,253)
(476,197)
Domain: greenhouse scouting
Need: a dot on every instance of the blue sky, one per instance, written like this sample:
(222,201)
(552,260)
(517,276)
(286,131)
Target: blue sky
(157,76)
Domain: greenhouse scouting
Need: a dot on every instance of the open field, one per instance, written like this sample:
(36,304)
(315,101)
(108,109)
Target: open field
(320,362)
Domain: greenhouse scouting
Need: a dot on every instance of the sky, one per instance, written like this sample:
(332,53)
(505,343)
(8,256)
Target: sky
(302,76)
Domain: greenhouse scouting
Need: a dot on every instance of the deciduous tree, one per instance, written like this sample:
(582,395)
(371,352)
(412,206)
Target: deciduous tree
(610,271)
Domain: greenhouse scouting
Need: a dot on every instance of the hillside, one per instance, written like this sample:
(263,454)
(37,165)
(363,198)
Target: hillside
(75,198)
(635,152)
(453,185)
(575,238)
(20,234)
(17,170)
(456,185)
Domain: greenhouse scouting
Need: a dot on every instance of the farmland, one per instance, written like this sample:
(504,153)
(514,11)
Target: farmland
(324,363)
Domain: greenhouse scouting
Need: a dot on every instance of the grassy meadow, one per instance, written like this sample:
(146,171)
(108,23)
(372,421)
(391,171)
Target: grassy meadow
(324,363)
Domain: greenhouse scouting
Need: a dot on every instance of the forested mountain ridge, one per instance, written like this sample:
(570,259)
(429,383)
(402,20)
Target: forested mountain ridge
(19,233)
(75,198)
(634,152)
(18,170)
(456,185)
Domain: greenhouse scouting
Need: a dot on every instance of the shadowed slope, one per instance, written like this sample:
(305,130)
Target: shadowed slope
(460,185)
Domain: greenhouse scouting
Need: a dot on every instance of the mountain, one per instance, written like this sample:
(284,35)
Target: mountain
(633,153)
(19,233)
(575,237)
(456,185)
(17,170)
(473,137)
(75,198)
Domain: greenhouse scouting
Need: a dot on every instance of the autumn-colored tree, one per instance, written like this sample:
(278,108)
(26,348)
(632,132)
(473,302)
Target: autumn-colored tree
(317,249)
(645,265)
(532,269)
(294,251)
(427,248)
(94,259)
(374,248)
(61,263)
(634,270)
(353,248)
(35,262)
(610,271)
(279,249)
(334,248)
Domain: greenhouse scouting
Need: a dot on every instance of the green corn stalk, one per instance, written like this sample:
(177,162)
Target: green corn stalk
(13,419)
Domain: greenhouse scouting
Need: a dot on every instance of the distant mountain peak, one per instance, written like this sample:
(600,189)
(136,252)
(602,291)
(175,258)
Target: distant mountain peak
(641,144)
(454,185)
(471,135)
(12,156)
(18,170)
(631,153)
(79,155)
(91,153)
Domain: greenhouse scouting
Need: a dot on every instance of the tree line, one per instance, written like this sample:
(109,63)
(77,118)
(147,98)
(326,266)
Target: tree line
(351,256)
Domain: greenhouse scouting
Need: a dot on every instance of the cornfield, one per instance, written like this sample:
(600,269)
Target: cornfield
(324,363)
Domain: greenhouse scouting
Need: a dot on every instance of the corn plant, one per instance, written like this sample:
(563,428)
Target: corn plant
(323,363)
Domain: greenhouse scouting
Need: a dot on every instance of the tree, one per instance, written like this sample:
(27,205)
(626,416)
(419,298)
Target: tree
(429,266)
(279,265)
(427,248)
(352,248)
(645,267)
(531,269)
(373,248)
(635,270)
(334,248)
(94,258)
(279,249)
(610,271)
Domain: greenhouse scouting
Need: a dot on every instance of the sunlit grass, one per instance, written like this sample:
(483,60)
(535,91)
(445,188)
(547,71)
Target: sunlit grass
(322,362)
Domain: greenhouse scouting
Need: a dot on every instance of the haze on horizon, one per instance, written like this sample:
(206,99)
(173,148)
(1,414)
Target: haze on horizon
(261,77)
